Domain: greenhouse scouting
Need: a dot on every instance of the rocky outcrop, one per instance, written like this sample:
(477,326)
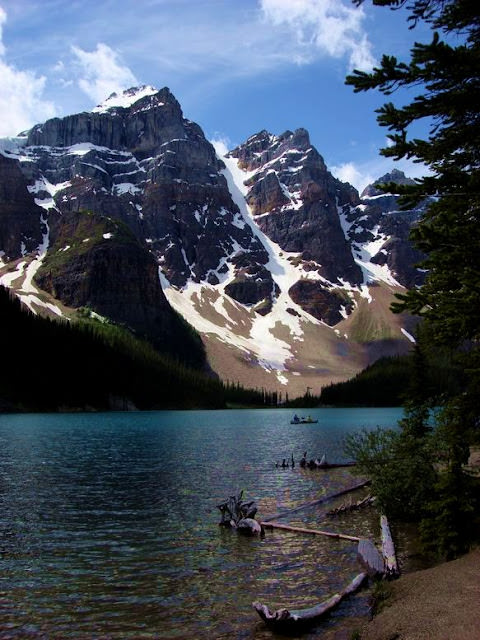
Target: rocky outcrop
(21,229)
(97,263)
(324,304)
(396,176)
(384,218)
(294,199)
(140,128)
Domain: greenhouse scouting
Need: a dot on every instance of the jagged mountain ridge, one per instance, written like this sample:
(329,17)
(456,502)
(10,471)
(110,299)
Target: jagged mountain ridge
(263,251)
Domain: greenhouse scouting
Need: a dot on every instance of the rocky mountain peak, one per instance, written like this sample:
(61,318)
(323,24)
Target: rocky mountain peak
(126,98)
(263,147)
(396,176)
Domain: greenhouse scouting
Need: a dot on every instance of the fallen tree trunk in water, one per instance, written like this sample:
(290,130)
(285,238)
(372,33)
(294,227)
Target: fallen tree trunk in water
(318,532)
(315,502)
(388,550)
(352,506)
(289,619)
(370,558)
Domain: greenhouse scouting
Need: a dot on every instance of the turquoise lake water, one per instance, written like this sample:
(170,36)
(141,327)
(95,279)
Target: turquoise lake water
(109,526)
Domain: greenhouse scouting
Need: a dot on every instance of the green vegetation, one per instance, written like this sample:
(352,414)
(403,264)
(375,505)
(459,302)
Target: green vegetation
(80,235)
(434,486)
(386,382)
(382,384)
(50,365)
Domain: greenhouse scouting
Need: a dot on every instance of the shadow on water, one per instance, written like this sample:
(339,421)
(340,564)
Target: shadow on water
(110,528)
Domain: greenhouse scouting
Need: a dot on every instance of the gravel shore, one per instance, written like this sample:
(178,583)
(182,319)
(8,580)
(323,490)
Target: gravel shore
(441,603)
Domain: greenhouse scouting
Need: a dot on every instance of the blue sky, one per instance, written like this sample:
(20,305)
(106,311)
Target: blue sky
(236,66)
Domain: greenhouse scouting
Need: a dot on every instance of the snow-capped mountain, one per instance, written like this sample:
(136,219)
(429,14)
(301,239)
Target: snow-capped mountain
(285,272)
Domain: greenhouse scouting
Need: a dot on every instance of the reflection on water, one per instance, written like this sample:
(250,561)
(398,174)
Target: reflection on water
(109,525)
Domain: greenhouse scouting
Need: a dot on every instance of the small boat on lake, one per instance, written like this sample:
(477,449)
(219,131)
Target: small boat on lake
(303,420)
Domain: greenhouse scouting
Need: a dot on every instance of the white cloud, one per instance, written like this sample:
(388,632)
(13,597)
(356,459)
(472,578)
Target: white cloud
(3,19)
(349,172)
(329,27)
(21,102)
(102,72)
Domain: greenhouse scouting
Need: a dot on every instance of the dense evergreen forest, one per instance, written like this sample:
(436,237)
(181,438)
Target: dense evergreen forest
(51,365)
(387,382)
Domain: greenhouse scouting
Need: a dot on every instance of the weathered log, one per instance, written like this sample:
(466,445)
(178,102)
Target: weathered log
(313,503)
(288,619)
(370,557)
(388,549)
(322,463)
(318,532)
(351,507)
(234,510)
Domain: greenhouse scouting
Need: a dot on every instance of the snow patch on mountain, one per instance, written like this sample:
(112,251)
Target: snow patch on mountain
(44,186)
(126,98)
(364,252)
(259,340)
(22,277)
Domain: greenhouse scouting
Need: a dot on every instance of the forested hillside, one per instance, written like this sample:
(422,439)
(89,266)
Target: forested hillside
(50,365)
(387,382)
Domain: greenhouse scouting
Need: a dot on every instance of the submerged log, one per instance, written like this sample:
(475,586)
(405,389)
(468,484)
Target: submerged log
(352,506)
(318,532)
(370,557)
(388,550)
(323,463)
(249,527)
(288,619)
(313,503)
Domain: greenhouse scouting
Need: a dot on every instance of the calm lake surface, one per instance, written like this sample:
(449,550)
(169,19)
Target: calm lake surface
(109,526)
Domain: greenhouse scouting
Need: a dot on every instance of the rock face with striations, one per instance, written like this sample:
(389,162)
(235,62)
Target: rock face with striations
(21,228)
(379,218)
(294,199)
(147,165)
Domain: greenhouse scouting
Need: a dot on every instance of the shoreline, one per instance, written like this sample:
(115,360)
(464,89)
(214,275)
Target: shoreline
(440,602)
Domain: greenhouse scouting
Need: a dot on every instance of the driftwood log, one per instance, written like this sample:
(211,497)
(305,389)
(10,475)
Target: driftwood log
(318,532)
(238,514)
(289,619)
(370,558)
(323,464)
(313,503)
(352,506)
(388,549)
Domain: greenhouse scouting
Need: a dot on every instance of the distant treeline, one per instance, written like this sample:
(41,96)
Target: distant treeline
(386,382)
(382,384)
(51,365)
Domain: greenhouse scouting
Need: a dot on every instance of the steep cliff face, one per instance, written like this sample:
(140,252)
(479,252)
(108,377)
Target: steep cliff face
(377,225)
(294,200)
(96,263)
(148,166)
(21,228)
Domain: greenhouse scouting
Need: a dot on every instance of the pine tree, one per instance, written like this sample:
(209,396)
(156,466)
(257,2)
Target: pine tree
(446,72)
